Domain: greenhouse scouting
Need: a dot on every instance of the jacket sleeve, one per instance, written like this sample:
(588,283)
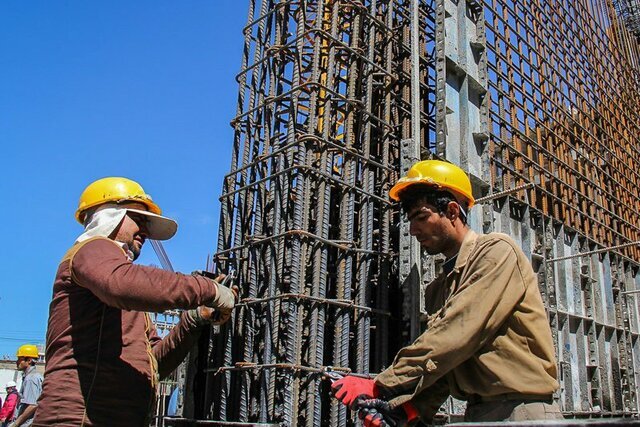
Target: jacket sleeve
(429,400)
(101,266)
(470,317)
(9,405)
(171,350)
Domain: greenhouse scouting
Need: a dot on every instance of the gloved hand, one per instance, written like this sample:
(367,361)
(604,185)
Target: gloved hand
(348,389)
(378,413)
(204,315)
(225,298)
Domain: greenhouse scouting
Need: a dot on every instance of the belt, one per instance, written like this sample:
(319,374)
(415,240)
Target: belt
(475,399)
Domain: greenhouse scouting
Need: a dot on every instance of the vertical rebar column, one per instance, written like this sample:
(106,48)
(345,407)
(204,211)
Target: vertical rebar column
(305,218)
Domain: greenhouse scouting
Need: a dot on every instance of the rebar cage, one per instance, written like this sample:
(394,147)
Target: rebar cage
(324,102)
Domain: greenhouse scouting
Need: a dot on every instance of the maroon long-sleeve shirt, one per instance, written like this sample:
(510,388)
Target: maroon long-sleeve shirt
(104,357)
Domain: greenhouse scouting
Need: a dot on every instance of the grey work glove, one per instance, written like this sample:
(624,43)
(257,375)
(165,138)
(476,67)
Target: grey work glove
(223,304)
(225,298)
(218,311)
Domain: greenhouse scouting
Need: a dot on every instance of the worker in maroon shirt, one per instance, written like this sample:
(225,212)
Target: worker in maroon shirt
(104,358)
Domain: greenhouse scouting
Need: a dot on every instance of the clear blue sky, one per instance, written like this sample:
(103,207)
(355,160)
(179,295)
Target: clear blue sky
(89,89)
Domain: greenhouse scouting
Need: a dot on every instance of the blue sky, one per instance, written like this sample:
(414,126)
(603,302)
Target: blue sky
(142,89)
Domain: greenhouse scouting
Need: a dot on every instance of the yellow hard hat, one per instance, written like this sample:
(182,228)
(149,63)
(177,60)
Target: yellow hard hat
(442,175)
(113,189)
(27,350)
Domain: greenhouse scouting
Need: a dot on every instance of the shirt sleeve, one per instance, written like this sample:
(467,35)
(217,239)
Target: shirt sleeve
(171,350)
(101,266)
(32,387)
(470,317)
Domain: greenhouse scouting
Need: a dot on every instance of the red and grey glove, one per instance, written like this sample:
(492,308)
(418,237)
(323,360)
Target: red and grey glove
(350,389)
(378,413)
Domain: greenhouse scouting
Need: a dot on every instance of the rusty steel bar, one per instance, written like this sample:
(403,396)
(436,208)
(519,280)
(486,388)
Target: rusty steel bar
(343,303)
(597,251)
(305,219)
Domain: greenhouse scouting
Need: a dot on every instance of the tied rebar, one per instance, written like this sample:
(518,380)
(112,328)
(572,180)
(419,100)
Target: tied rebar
(305,219)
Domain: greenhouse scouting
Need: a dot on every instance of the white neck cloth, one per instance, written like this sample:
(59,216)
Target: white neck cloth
(102,222)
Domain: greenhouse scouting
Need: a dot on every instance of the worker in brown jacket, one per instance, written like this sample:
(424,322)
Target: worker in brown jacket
(487,341)
(104,358)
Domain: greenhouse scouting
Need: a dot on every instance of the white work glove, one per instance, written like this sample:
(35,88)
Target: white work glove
(218,311)
(225,298)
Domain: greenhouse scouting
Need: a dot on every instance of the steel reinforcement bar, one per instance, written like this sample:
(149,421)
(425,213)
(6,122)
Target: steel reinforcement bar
(305,221)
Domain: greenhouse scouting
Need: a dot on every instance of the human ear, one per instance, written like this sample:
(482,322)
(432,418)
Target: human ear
(453,211)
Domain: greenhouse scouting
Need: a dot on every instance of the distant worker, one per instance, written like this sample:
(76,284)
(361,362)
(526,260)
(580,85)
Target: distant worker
(10,404)
(487,339)
(31,387)
(104,357)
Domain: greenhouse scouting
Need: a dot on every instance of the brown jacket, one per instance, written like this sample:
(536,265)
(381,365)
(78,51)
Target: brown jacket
(487,332)
(103,354)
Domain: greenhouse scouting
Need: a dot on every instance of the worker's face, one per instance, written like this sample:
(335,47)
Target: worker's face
(23,363)
(433,230)
(132,230)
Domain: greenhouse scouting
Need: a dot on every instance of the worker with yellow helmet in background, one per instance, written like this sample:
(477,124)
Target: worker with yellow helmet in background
(26,358)
(104,357)
(487,339)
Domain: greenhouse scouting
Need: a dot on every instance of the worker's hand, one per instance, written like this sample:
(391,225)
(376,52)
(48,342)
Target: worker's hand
(372,418)
(214,316)
(378,413)
(351,388)
(225,298)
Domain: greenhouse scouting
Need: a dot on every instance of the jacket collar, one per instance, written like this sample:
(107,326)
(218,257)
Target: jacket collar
(468,244)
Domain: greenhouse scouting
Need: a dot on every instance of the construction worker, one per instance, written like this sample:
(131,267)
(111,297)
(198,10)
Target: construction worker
(487,340)
(31,388)
(10,404)
(104,358)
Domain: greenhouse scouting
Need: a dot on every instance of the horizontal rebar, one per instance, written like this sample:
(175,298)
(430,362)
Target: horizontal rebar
(503,193)
(256,240)
(336,302)
(321,370)
(309,170)
(597,251)
(190,421)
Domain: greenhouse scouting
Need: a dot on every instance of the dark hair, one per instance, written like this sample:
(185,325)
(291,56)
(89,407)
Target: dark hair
(418,194)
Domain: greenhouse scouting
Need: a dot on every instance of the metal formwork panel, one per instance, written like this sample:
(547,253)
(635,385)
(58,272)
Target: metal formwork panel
(562,112)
